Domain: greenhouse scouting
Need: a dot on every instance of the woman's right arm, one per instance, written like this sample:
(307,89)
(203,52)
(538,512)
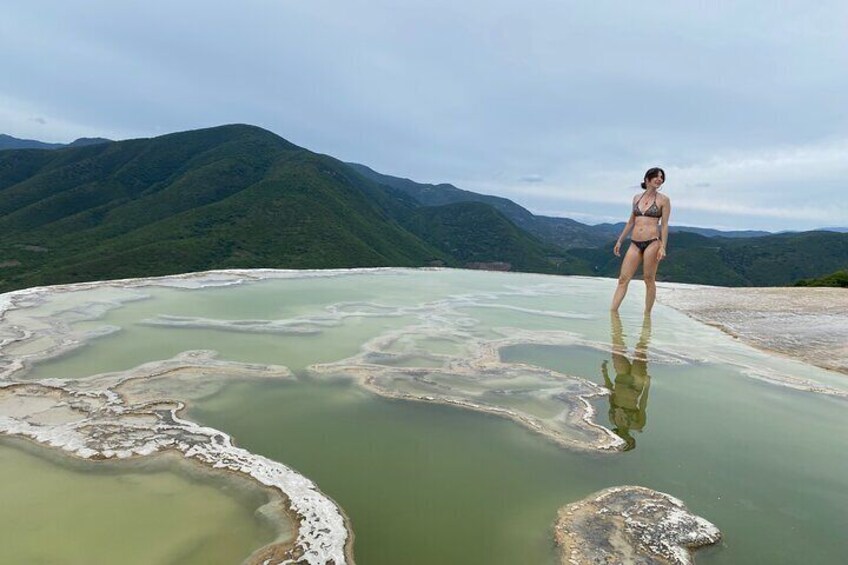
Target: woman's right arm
(627,227)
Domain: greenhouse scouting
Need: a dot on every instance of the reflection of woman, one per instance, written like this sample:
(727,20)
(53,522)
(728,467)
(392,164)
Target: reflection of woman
(647,245)
(629,398)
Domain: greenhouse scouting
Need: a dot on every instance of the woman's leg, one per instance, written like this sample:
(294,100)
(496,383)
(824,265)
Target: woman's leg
(628,268)
(649,272)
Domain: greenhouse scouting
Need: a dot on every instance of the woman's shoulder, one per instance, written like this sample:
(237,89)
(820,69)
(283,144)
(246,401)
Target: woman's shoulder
(663,198)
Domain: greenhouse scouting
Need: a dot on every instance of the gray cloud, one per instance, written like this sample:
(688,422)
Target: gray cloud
(532,178)
(474,93)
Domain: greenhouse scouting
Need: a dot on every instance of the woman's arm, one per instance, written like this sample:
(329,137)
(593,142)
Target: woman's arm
(627,227)
(605,373)
(666,212)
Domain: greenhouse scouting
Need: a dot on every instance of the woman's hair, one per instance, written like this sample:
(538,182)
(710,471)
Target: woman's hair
(653,172)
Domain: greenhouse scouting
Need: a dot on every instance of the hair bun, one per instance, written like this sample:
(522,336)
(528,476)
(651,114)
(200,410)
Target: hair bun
(643,186)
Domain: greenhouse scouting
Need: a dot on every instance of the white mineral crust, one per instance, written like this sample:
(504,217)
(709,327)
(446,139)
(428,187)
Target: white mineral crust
(90,419)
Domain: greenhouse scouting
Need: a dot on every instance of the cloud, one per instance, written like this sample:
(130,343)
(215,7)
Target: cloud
(532,178)
(791,185)
(18,117)
(726,97)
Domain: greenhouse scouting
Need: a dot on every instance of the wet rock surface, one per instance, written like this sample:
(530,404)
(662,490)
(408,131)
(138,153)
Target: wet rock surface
(630,524)
(136,413)
(810,324)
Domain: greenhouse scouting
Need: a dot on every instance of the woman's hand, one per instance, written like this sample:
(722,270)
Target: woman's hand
(661,253)
(617,249)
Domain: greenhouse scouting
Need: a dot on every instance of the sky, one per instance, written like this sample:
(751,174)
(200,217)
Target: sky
(559,105)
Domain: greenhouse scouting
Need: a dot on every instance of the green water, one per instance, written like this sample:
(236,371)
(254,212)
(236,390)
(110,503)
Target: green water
(433,484)
(98,513)
(138,343)
(424,483)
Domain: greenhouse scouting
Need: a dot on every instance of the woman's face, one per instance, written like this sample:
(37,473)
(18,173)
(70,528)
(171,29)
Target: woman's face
(655,182)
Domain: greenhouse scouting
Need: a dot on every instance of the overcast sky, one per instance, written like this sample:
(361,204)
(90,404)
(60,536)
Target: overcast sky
(558,105)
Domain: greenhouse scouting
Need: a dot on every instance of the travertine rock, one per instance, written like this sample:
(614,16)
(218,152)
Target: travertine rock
(810,324)
(630,524)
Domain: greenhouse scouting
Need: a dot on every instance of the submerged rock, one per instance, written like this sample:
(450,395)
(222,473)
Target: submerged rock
(630,524)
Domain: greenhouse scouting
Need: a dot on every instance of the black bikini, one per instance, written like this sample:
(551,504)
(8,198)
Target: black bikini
(643,245)
(652,211)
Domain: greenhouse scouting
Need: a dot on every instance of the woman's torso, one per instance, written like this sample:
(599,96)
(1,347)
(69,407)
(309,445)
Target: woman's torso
(647,211)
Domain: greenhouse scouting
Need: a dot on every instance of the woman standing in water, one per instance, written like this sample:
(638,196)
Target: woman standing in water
(647,245)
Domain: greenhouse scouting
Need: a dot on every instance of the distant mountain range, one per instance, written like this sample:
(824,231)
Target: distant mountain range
(706,232)
(240,196)
(564,232)
(561,232)
(9,142)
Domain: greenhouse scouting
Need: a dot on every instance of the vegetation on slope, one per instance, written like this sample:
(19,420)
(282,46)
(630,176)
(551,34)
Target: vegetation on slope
(560,232)
(240,196)
(774,260)
(475,233)
(232,196)
(837,279)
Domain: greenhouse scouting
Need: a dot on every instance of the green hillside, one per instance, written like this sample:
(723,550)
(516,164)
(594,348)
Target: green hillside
(564,233)
(783,259)
(9,142)
(239,196)
(474,232)
(837,279)
(560,232)
(774,260)
(231,196)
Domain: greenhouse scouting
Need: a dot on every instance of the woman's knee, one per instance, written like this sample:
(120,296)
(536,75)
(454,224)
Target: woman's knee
(624,280)
(650,279)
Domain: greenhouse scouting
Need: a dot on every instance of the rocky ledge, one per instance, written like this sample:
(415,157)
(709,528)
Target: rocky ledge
(630,524)
(810,324)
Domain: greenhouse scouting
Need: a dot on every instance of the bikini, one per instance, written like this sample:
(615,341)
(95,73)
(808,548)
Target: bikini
(652,211)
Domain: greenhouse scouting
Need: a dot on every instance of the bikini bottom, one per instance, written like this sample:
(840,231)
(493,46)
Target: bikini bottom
(643,245)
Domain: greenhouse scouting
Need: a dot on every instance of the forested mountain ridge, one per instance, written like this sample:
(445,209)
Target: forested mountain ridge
(238,196)
(232,196)
(471,231)
(697,255)
(838,279)
(224,197)
(562,232)
(773,260)
(9,142)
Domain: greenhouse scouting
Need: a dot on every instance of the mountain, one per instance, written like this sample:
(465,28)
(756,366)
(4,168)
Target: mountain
(562,232)
(231,196)
(774,260)
(83,141)
(9,142)
(838,279)
(615,230)
(238,196)
(476,233)
(709,232)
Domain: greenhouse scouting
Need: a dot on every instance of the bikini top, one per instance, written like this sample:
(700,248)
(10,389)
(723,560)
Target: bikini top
(653,210)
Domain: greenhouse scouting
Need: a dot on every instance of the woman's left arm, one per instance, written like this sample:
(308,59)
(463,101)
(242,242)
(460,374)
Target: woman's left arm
(666,212)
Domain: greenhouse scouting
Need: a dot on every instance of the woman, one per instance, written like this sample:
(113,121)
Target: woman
(647,246)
